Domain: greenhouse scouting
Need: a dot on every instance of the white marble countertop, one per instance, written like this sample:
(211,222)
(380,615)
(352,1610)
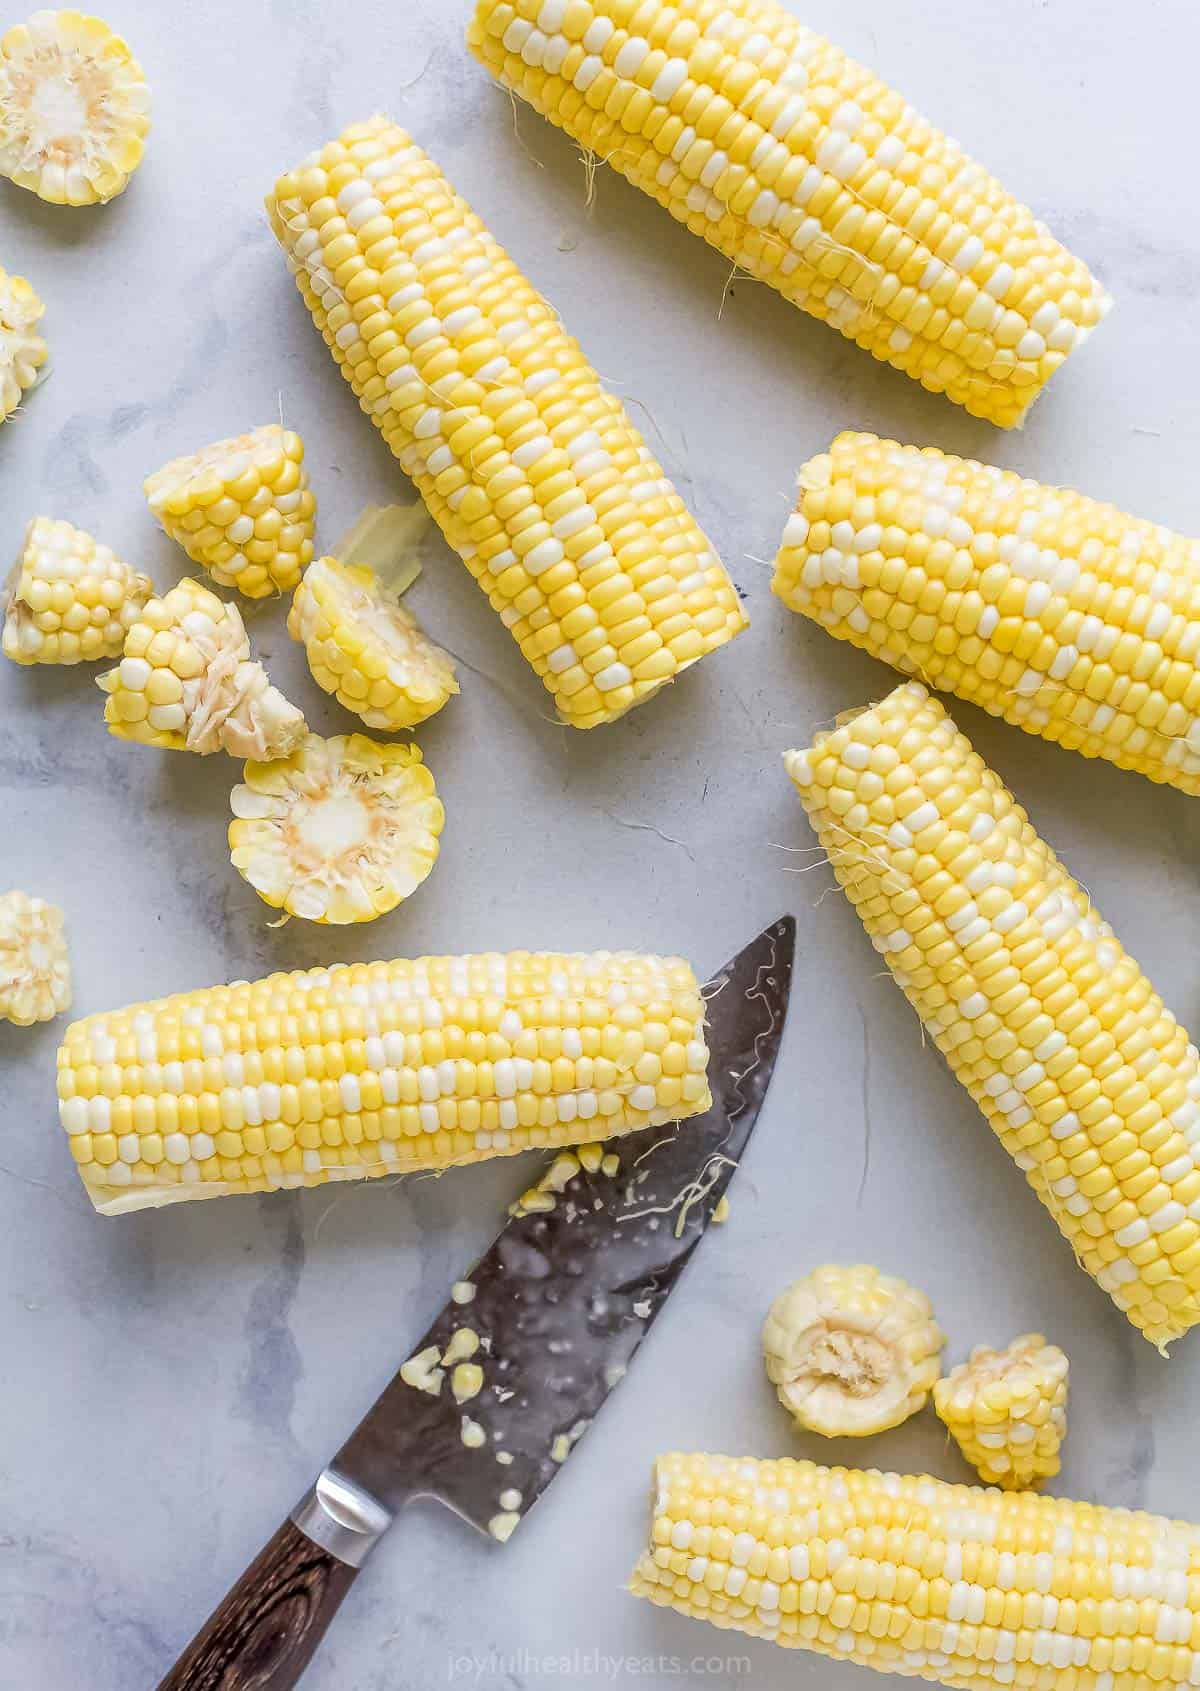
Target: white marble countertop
(171,1381)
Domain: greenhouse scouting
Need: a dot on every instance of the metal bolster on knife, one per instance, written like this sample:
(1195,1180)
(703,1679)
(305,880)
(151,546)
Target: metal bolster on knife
(342,1517)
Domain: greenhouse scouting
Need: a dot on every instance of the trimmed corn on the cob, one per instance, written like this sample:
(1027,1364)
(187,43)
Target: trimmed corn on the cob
(22,349)
(374,1069)
(1088,1080)
(74,109)
(35,971)
(912,1576)
(187,682)
(1053,611)
(342,831)
(1007,1411)
(536,476)
(242,509)
(69,599)
(852,1351)
(809,174)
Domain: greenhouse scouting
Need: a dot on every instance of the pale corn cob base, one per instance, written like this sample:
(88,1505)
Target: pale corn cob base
(69,599)
(811,175)
(1057,613)
(1007,1411)
(23,352)
(908,1575)
(365,1070)
(35,971)
(535,475)
(1088,1080)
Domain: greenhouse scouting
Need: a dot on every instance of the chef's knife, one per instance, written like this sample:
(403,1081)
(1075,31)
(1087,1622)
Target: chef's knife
(495,1397)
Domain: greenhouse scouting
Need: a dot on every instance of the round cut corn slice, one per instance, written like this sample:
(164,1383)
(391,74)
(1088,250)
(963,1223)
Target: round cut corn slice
(241,509)
(852,1351)
(35,972)
(187,682)
(74,109)
(366,649)
(342,831)
(22,349)
(1007,1411)
(69,599)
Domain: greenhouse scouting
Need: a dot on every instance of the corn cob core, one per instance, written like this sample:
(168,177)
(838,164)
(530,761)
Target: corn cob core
(1089,1082)
(1007,1411)
(911,1576)
(187,682)
(74,109)
(536,476)
(367,649)
(35,971)
(242,509)
(374,1069)
(809,174)
(69,599)
(1059,614)
(22,349)
(342,831)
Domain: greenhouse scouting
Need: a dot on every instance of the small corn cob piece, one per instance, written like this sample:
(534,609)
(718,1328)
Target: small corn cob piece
(375,1069)
(35,971)
(69,599)
(535,475)
(809,174)
(911,1576)
(1055,612)
(342,831)
(22,350)
(852,1351)
(242,509)
(74,109)
(1007,1411)
(187,682)
(1087,1079)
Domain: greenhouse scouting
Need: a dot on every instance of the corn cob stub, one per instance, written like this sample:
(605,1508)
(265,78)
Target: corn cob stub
(1007,1411)
(911,1576)
(1088,1080)
(1049,609)
(35,971)
(68,598)
(342,831)
(852,1351)
(23,352)
(187,682)
(375,1069)
(810,174)
(241,509)
(74,108)
(536,476)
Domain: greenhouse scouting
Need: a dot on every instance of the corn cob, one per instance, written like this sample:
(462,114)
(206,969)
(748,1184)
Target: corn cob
(74,109)
(22,350)
(35,971)
(911,1576)
(375,1069)
(69,599)
(1089,1082)
(242,509)
(535,475)
(809,174)
(1007,1411)
(1053,611)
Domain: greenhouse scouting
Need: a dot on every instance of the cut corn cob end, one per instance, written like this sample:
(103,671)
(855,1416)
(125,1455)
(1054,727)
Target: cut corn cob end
(69,599)
(74,109)
(35,971)
(23,352)
(187,682)
(241,509)
(852,1351)
(1007,1411)
(342,831)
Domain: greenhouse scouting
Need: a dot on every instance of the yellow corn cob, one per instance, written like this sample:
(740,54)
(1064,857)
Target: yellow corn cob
(1089,1082)
(74,109)
(536,476)
(69,599)
(809,174)
(35,971)
(22,349)
(1007,1411)
(1053,611)
(911,1576)
(374,1069)
(242,510)
(342,831)
(187,682)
